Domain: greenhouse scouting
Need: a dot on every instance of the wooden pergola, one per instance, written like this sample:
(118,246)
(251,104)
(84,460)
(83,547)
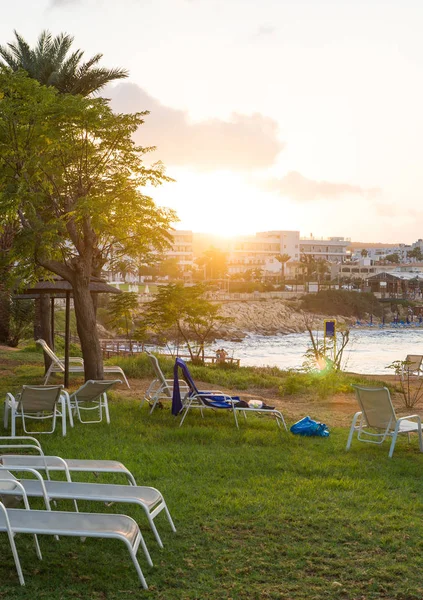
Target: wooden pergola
(60,288)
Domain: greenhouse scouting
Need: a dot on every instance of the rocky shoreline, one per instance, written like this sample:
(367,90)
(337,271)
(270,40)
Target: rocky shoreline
(268,317)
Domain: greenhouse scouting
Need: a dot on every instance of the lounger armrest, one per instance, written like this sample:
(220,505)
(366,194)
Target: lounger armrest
(182,384)
(410,417)
(20,487)
(20,437)
(225,397)
(37,476)
(75,359)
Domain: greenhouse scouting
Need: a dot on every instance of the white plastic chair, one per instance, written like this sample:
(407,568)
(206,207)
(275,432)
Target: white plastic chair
(76,364)
(37,403)
(377,419)
(92,396)
(160,388)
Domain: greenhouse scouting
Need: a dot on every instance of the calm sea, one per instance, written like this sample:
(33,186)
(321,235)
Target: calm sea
(369,350)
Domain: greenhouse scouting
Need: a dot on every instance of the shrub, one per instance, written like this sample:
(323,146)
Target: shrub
(342,302)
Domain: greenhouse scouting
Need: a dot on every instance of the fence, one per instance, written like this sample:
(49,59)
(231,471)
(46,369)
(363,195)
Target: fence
(124,347)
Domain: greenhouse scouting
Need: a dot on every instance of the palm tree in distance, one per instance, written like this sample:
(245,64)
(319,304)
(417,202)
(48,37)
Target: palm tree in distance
(50,63)
(283,259)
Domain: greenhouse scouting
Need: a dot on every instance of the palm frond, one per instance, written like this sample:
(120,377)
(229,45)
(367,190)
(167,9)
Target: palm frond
(50,64)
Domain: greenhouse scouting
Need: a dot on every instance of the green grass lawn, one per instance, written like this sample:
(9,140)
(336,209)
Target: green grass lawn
(259,513)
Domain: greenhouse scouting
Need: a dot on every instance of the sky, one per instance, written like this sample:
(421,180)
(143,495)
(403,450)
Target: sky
(269,114)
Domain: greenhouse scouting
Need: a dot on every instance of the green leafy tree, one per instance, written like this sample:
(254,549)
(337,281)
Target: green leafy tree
(214,262)
(415,253)
(169,268)
(21,320)
(51,63)
(122,311)
(393,258)
(72,175)
(185,312)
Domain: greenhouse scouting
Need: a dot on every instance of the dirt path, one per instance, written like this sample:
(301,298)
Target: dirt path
(336,410)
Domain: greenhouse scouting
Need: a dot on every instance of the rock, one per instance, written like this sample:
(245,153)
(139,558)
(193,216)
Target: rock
(267,317)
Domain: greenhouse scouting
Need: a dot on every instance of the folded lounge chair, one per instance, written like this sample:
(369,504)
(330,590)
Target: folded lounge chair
(212,399)
(413,365)
(160,388)
(148,498)
(37,402)
(47,522)
(55,463)
(76,365)
(377,419)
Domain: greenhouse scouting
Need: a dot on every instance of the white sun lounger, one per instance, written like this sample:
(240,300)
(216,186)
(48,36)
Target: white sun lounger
(148,498)
(55,463)
(45,522)
(76,364)
(160,388)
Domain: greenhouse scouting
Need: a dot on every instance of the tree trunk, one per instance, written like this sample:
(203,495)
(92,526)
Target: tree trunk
(87,328)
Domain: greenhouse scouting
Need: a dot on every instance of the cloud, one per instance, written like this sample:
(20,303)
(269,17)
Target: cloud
(387,210)
(60,3)
(265,30)
(300,188)
(240,143)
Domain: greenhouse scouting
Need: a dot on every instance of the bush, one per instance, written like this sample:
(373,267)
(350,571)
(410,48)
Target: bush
(342,302)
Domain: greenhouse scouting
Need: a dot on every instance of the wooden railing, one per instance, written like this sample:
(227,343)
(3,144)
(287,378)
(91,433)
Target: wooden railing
(125,347)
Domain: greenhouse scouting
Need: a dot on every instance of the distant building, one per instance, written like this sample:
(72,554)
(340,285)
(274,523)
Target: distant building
(379,253)
(260,251)
(181,250)
(333,249)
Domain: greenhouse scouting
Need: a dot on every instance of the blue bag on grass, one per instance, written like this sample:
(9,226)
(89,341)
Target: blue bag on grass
(307,426)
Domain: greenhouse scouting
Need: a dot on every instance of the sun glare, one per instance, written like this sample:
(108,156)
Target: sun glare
(221,203)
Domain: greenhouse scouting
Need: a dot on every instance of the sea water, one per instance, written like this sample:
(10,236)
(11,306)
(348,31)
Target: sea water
(368,351)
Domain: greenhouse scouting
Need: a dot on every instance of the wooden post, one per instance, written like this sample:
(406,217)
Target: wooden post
(67,338)
(52,322)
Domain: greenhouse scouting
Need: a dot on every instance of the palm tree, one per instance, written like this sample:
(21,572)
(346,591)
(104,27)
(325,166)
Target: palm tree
(282,258)
(50,63)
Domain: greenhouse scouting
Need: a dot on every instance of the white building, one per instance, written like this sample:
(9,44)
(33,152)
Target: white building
(260,251)
(333,249)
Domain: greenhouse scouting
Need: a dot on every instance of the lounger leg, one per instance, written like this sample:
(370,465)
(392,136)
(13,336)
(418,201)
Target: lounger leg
(37,547)
(154,529)
(188,406)
(6,414)
(137,566)
(13,419)
(63,408)
(419,432)
(125,378)
(352,429)
(16,558)
(154,405)
(394,439)
(69,408)
(106,408)
(279,417)
(236,418)
(169,517)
